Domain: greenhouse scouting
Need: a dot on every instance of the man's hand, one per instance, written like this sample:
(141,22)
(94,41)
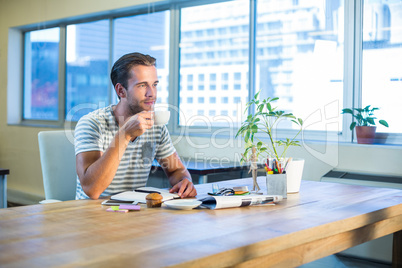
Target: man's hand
(184,188)
(137,124)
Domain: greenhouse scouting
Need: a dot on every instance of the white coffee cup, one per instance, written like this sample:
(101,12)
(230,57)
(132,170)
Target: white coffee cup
(161,117)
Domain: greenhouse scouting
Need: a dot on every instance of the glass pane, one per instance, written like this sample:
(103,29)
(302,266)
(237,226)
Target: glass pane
(87,70)
(299,51)
(382,61)
(147,34)
(214,49)
(41,63)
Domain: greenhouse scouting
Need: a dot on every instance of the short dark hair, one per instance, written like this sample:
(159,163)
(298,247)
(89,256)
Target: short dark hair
(121,68)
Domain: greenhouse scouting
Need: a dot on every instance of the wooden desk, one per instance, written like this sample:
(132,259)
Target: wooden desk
(3,187)
(324,218)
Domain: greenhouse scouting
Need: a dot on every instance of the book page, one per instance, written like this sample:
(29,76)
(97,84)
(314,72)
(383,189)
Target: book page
(139,195)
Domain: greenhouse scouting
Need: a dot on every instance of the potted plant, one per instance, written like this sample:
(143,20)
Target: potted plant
(262,121)
(364,123)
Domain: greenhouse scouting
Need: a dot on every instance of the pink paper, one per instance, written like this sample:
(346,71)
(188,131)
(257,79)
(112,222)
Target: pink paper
(130,207)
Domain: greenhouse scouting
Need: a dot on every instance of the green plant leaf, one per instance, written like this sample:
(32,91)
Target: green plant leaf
(359,117)
(384,123)
(259,144)
(347,111)
(247,137)
(269,107)
(352,126)
(371,120)
(254,128)
(300,121)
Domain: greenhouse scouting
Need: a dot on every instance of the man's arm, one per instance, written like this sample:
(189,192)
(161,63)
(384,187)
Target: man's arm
(96,169)
(178,175)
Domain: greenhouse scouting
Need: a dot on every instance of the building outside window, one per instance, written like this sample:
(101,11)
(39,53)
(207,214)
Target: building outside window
(299,53)
(382,61)
(41,87)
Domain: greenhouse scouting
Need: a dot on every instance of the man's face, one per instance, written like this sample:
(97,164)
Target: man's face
(141,88)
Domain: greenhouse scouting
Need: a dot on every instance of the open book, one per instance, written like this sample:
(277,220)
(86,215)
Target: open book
(216,202)
(139,194)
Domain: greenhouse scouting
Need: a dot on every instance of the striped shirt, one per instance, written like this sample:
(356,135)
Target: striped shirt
(95,132)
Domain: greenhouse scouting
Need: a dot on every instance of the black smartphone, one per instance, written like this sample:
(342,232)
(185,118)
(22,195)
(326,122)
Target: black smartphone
(113,202)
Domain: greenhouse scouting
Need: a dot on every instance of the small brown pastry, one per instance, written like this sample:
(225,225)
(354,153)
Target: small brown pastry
(154,200)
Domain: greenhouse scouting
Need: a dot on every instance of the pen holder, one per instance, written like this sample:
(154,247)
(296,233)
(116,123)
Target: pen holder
(277,184)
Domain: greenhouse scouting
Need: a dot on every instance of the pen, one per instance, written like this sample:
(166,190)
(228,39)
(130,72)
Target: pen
(286,165)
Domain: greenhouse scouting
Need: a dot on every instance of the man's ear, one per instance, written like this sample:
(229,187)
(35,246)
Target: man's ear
(120,90)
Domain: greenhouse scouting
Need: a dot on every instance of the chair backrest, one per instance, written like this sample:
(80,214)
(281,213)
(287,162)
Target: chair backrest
(57,159)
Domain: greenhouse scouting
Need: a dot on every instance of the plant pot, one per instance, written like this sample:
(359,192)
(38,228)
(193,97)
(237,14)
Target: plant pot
(365,134)
(294,173)
(279,184)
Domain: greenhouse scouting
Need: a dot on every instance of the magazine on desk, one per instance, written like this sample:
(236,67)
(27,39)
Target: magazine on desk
(217,202)
(139,194)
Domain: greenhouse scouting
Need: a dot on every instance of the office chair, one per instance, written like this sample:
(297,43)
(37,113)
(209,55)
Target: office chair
(57,157)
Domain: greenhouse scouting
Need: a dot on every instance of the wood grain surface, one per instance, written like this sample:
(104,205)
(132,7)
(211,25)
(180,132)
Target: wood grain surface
(324,218)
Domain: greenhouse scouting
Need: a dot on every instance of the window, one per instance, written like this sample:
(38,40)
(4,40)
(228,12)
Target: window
(299,54)
(317,62)
(225,77)
(217,22)
(381,62)
(41,88)
(87,68)
(87,83)
(149,36)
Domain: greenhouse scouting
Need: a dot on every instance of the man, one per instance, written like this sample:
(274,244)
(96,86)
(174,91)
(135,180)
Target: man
(115,145)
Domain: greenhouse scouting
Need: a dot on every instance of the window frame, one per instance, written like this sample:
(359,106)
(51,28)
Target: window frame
(352,69)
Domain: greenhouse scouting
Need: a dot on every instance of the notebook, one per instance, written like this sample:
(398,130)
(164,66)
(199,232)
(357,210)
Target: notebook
(139,194)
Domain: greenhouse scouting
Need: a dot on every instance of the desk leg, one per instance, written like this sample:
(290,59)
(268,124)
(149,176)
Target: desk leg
(202,179)
(3,191)
(397,250)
